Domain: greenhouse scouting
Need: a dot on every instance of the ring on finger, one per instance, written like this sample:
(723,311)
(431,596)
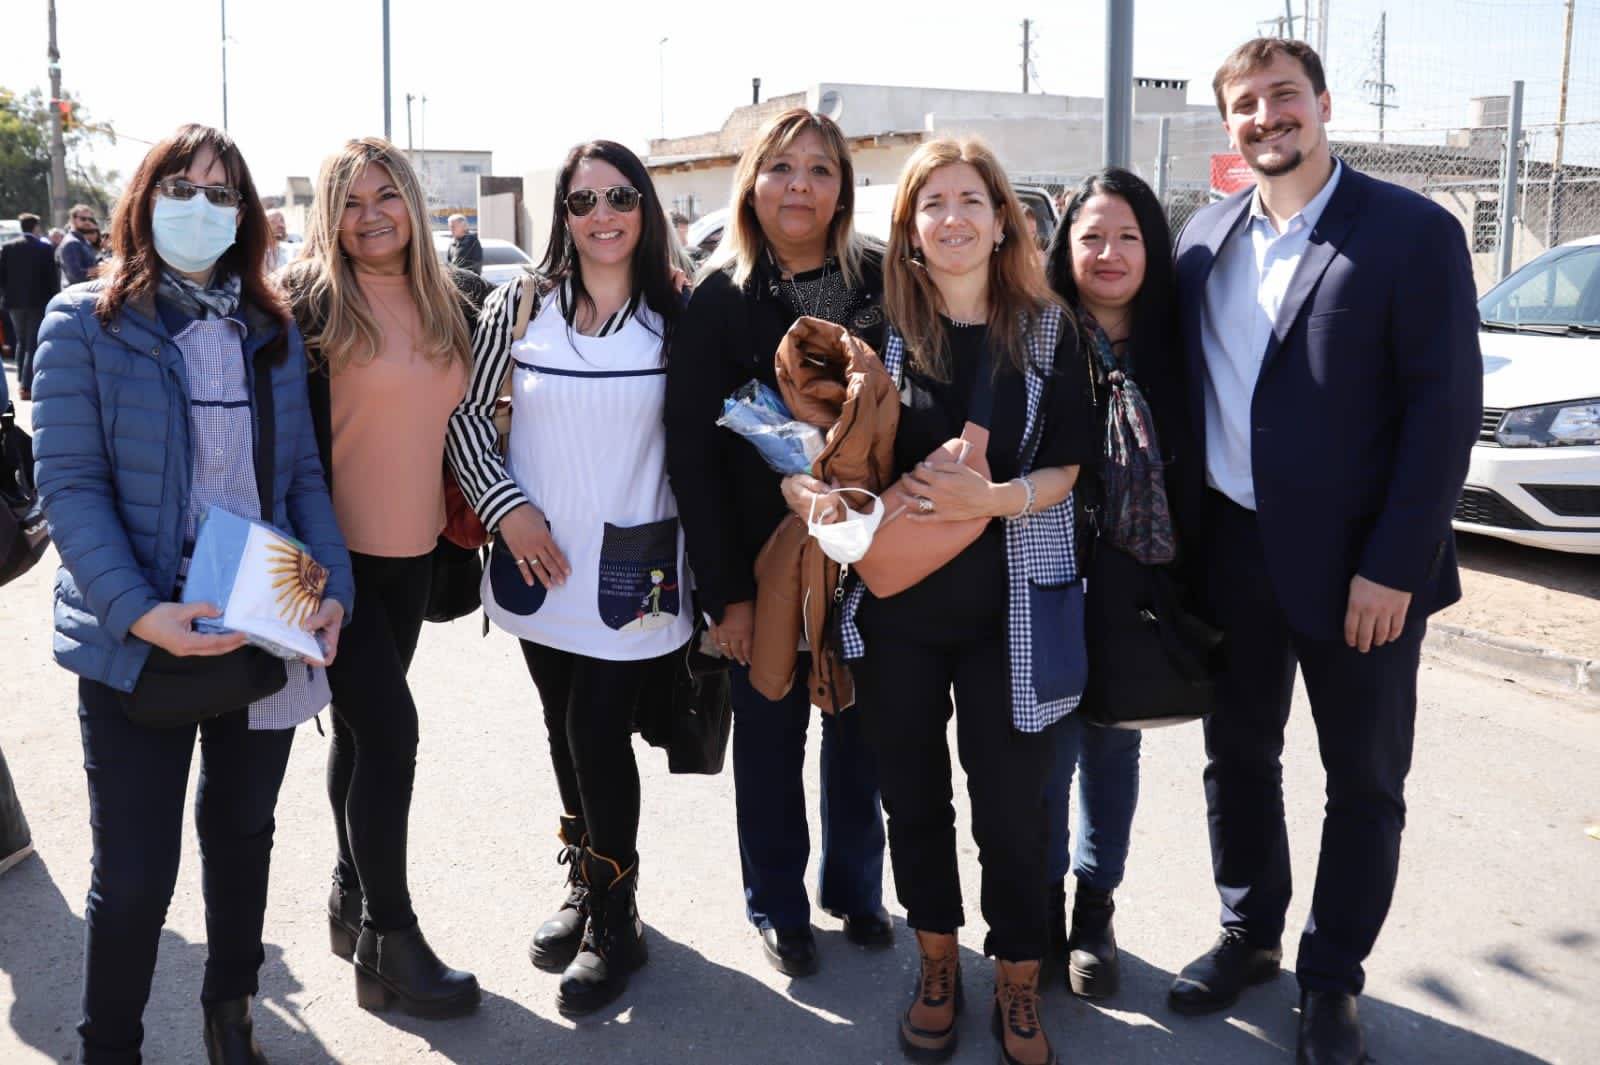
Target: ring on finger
(924,505)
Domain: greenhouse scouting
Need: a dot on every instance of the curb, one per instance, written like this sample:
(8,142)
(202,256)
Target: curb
(1524,661)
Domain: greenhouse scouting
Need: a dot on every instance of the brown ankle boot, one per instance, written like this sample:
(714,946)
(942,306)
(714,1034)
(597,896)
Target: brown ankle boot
(928,1027)
(1016,1015)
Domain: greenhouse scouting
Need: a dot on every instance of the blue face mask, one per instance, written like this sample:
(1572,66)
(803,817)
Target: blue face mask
(192,234)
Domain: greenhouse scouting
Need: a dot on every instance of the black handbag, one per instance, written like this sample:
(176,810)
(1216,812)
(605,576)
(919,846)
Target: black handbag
(175,690)
(690,710)
(24,533)
(1151,661)
(453,589)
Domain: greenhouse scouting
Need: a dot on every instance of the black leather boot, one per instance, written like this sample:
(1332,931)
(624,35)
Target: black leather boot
(400,968)
(1330,1030)
(555,943)
(231,1034)
(1055,950)
(613,939)
(1092,970)
(344,920)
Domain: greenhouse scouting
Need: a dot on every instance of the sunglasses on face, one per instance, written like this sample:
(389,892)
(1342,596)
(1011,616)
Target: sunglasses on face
(181,189)
(622,198)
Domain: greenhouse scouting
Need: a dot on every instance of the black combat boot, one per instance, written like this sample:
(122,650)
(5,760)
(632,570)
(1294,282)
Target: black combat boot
(555,943)
(613,938)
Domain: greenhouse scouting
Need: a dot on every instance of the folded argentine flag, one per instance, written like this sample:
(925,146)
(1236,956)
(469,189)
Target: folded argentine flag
(265,583)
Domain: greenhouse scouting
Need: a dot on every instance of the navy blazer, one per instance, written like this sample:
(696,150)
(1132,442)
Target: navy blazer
(1367,404)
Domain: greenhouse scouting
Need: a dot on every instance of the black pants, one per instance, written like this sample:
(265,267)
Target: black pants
(903,686)
(589,706)
(138,778)
(372,759)
(14,834)
(1364,708)
(26,320)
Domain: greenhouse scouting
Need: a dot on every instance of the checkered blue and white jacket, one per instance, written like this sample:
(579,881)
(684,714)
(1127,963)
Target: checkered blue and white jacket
(1039,548)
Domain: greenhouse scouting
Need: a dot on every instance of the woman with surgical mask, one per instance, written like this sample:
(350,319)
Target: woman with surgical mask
(148,402)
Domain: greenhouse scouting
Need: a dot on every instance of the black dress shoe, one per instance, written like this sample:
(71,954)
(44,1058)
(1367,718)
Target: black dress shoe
(869,929)
(792,951)
(1330,1030)
(1213,981)
(230,1034)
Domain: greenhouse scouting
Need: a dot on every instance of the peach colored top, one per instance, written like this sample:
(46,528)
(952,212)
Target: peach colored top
(389,417)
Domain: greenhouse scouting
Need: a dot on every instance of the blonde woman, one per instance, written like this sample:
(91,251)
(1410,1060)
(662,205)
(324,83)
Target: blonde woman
(975,333)
(790,250)
(388,332)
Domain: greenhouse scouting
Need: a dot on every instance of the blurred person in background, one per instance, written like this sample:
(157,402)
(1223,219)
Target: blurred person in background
(466,250)
(28,281)
(78,254)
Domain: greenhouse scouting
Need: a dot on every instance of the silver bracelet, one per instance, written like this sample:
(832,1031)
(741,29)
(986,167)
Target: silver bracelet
(1033,496)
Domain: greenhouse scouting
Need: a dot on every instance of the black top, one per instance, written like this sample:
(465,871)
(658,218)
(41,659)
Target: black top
(970,590)
(729,500)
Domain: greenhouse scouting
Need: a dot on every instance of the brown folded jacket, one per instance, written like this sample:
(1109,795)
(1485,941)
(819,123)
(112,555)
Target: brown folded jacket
(832,380)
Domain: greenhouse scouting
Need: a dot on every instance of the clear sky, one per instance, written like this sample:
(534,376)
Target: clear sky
(527,80)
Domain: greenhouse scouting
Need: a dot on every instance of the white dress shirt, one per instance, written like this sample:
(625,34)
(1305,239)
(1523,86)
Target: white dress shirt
(1247,287)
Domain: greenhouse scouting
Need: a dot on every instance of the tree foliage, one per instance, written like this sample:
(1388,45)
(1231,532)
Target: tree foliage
(25,156)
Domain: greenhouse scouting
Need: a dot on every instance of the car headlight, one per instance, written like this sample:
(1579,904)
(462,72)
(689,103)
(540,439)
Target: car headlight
(1552,425)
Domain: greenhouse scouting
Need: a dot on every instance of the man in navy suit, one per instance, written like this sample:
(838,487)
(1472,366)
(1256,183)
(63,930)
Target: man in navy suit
(1335,389)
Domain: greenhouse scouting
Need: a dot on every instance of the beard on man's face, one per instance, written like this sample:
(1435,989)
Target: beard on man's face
(1280,168)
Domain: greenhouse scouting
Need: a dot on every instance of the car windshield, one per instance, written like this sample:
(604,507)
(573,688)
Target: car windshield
(503,255)
(1557,292)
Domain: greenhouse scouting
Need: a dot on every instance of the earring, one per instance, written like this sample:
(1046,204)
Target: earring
(1001,239)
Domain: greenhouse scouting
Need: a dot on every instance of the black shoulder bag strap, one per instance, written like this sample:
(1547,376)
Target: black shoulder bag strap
(266,435)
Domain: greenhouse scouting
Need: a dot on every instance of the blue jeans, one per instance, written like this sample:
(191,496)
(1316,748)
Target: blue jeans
(769,755)
(1108,791)
(138,779)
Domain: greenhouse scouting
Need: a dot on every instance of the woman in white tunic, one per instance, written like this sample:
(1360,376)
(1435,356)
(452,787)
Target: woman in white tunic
(586,566)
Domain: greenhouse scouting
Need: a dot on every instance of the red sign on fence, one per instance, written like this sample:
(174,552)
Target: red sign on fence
(1230,173)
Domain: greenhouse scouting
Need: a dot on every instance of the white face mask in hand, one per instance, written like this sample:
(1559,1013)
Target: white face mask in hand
(846,541)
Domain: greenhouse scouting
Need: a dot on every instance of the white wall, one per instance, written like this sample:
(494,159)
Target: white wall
(497,216)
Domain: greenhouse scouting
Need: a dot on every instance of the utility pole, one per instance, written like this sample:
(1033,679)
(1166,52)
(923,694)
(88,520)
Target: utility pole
(1553,223)
(58,141)
(409,98)
(1117,111)
(1381,87)
(387,135)
(1322,32)
(661,85)
(224,66)
(1027,42)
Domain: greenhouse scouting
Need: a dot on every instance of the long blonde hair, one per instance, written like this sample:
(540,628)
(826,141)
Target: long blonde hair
(1018,290)
(341,328)
(742,240)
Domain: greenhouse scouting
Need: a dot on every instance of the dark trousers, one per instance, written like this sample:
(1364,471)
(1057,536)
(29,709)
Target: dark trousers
(14,834)
(1364,708)
(137,782)
(904,685)
(372,758)
(589,708)
(26,321)
(769,755)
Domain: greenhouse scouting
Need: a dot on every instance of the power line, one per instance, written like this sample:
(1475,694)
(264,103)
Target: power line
(1380,87)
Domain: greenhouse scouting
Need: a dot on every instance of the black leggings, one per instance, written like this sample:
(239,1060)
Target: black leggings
(589,706)
(903,688)
(373,757)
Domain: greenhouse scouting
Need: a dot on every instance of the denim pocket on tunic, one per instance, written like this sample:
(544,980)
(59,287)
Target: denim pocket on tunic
(638,588)
(511,592)
(1060,657)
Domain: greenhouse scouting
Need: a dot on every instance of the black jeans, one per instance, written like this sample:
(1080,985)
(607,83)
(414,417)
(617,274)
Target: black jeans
(26,320)
(589,706)
(1364,707)
(372,758)
(903,686)
(137,782)
(14,834)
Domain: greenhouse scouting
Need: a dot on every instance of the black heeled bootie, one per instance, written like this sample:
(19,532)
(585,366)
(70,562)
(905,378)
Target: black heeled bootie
(613,938)
(400,968)
(231,1034)
(555,943)
(344,920)
(1092,969)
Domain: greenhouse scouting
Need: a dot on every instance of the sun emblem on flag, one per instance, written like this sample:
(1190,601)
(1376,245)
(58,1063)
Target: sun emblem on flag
(298,581)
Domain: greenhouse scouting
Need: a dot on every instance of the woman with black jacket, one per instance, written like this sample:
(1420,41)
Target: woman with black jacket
(388,330)
(790,250)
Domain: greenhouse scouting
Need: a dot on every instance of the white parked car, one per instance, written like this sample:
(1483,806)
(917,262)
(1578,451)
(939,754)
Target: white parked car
(1535,473)
(502,260)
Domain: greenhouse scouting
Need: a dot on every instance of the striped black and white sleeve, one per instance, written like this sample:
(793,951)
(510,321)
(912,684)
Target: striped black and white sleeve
(472,443)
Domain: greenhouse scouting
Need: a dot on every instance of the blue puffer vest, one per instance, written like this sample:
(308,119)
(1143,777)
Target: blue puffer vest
(113,460)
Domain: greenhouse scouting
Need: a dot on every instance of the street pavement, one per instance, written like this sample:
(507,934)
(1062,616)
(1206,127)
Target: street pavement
(1491,953)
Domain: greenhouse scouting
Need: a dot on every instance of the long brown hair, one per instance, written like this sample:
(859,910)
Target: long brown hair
(135,267)
(742,240)
(1018,291)
(341,328)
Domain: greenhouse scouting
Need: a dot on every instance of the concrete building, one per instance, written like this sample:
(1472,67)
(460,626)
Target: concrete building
(451,180)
